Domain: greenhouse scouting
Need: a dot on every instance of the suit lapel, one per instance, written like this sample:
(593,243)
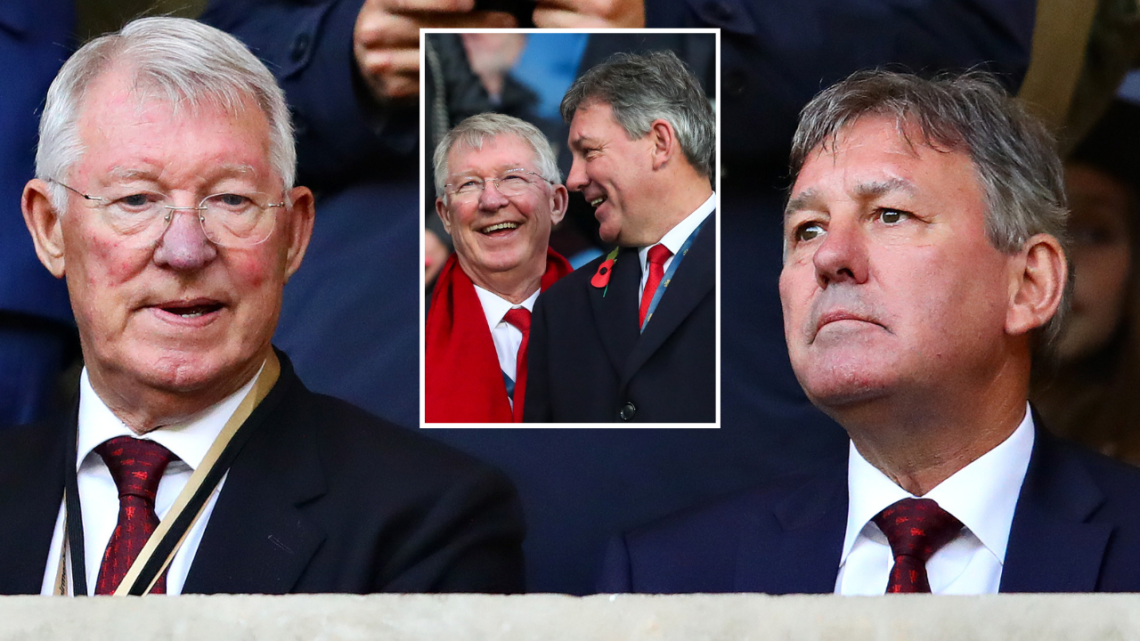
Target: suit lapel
(694,279)
(802,555)
(31,491)
(1052,546)
(615,309)
(258,539)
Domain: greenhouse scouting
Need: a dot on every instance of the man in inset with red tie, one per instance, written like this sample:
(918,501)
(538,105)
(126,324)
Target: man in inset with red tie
(631,337)
(196,460)
(499,195)
(924,275)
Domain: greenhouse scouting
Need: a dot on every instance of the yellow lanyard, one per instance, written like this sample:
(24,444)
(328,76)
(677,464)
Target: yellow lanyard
(265,382)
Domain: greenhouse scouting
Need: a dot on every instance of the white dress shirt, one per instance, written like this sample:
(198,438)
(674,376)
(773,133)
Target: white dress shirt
(507,337)
(674,239)
(189,440)
(982,495)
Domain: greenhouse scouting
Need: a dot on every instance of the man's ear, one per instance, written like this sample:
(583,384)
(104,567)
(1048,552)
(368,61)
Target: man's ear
(559,201)
(45,225)
(664,140)
(1037,284)
(302,215)
(444,214)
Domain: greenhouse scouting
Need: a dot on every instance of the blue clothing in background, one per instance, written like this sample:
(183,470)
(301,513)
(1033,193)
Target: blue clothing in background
(549,64)
(36,327)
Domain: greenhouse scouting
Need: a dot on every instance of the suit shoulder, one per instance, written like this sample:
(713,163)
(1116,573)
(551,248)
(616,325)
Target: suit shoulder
(1119,481)
(27,446)
(721,517)
(351,434)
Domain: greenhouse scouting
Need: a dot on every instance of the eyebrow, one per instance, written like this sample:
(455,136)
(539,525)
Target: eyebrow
(580,140)
(811,199)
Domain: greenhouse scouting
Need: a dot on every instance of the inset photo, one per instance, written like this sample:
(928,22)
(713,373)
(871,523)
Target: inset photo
(570,238)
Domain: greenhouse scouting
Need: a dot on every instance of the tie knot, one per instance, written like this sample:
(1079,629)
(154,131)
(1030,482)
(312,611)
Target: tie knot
(519,317)
(658,254)
(135,464)
(917,527)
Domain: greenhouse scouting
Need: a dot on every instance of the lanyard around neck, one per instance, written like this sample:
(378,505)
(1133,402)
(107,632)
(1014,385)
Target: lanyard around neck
(171,532)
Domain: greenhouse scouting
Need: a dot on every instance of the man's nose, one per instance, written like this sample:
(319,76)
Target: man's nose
(183,245)
(576,180)
(491,198)
(843,254)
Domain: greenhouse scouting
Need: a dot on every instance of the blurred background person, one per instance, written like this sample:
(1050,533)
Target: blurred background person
(1091,397)
(37,333)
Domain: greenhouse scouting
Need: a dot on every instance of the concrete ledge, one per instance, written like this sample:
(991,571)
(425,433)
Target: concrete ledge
(660,618)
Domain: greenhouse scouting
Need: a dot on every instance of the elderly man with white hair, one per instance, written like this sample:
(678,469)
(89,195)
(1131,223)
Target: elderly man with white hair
(196,460)
(499,195)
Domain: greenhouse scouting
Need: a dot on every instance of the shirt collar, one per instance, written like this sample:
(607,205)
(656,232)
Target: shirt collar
(189,440)
(676,237)
(982,495)
(495,307)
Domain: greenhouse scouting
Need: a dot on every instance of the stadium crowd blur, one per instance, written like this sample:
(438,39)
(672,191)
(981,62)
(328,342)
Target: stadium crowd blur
(350,319)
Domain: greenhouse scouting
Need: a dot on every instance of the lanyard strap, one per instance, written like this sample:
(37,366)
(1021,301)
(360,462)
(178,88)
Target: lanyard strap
(668,276)
(167,538)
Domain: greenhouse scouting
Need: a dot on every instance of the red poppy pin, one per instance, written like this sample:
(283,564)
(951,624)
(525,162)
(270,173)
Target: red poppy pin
(602,276)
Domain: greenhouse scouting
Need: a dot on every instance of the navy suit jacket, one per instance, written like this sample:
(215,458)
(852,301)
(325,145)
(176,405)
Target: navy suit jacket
(35,39)
(1076,528)
(588,361)
(322,498)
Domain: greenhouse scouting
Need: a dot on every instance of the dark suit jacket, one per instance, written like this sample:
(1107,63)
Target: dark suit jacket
(1076,528)
(587,361)
(323,498)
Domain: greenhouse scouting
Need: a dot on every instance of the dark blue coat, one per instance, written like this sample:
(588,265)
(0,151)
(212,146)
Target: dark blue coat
(35,38)
(1076,528)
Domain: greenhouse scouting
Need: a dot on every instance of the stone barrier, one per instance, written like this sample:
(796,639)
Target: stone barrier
(603,617)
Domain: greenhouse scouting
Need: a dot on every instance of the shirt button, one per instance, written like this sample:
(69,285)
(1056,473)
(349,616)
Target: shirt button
(627,412)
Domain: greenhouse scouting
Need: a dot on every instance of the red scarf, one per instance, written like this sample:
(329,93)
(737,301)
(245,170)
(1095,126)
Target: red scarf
(462,379)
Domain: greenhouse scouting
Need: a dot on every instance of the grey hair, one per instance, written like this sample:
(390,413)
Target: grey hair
(641,88)
(1014,155)
(173,59)
(476,130)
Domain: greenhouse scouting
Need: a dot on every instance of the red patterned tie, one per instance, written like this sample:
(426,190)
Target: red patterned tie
(658,254)
(916,529)
(520,318)
(136,465)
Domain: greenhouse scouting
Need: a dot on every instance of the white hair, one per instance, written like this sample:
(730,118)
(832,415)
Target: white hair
(478,129)
(178,60)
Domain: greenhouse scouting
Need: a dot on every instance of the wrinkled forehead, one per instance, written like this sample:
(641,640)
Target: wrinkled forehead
(491,153)
(132,122)
(899,137)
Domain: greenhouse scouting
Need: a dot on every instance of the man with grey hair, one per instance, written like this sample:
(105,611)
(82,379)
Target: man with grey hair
(164,195)
(631,337)
(499,194)
(923,267)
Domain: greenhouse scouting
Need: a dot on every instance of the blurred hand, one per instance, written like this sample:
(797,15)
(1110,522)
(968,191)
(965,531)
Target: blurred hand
(386,40)
(435,255)
(573,14)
